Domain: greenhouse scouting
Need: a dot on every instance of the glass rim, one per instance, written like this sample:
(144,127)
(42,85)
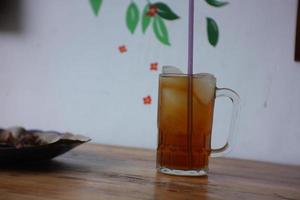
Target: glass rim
(197,75)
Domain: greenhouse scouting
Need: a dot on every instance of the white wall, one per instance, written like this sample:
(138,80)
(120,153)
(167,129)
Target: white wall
(62,70)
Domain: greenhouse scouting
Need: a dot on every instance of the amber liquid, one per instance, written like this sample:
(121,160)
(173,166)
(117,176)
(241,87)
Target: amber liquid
(178,149)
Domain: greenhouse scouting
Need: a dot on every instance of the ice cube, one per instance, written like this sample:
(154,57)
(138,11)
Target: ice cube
(204,87)
(171,70)
(174,110)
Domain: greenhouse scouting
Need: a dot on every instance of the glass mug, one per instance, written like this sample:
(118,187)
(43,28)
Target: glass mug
(183,152)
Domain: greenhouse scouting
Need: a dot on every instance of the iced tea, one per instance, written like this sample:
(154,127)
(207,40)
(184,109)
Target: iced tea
(177,149)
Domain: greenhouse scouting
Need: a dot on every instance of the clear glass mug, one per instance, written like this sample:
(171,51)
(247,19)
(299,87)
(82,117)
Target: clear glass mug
(183,152)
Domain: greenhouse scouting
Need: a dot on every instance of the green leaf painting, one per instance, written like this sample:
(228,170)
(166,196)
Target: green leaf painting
(146,19)
(212,31)
(96,4)
(157,13)
(132,17)
(211,25)
(216,3)
(160,30)
(153,13)
(165,11)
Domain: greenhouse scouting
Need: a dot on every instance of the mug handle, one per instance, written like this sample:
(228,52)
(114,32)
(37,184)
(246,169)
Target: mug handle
(235,99)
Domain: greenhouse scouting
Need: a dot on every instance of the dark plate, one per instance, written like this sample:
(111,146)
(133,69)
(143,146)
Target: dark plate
(36,153)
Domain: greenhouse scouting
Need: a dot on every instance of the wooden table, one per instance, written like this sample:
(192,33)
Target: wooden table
(106,172)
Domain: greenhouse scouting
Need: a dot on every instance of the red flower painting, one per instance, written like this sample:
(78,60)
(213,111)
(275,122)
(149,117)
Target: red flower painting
(154,66)
(122,49)
(147,100)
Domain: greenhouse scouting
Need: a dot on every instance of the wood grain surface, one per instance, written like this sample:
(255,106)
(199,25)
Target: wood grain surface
(106,172)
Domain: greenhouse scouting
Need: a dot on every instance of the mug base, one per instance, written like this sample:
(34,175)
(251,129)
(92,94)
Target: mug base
(200,172)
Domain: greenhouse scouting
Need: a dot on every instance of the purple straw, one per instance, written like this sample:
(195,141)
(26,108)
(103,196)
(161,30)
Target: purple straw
(191,38)
(190,82)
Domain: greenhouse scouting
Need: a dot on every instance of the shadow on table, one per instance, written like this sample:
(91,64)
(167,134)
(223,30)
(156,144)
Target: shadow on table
(47,166)
(180,187)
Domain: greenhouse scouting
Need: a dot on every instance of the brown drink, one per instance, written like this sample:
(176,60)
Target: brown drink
(178,149)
